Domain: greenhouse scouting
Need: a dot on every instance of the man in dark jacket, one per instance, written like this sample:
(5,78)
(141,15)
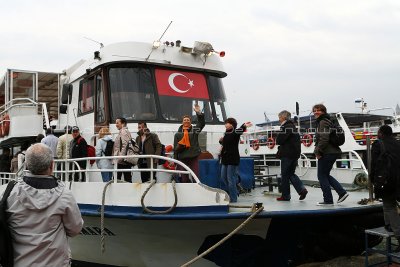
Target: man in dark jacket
(149,144)
(230,157)
(186,142)
(289,151)
(78,150)
(390,191)
(326,154)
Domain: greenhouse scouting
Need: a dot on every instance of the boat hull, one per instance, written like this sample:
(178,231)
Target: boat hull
(153,242)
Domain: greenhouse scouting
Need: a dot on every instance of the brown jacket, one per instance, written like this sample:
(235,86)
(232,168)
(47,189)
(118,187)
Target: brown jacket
(151,144)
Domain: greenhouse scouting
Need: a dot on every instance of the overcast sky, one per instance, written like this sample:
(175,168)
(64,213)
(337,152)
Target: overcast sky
(277,52)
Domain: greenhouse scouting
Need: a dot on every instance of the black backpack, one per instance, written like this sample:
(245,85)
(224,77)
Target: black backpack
(385,164)
(6,247)
(162,161)
(336,133)
(109,148)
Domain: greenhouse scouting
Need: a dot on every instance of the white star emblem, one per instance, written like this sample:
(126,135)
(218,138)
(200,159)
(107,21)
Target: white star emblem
(191,83)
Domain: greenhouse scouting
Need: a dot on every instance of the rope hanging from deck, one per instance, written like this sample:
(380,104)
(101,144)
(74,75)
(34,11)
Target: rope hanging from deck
(103,241)
(146,209)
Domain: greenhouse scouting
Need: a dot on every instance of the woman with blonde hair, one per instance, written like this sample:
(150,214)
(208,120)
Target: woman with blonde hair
(103,147)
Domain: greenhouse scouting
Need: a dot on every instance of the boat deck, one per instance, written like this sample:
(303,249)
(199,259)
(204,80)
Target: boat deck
(306,207)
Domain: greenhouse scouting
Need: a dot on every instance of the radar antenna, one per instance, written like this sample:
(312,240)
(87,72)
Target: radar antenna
(101,44)
(156,44)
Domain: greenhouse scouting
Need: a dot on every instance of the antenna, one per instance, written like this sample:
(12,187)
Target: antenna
(101,44)
(156,44)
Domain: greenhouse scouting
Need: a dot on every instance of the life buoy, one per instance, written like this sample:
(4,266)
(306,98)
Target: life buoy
(168,164)
(6,125)
(255,144)
(270,142)
(307,140)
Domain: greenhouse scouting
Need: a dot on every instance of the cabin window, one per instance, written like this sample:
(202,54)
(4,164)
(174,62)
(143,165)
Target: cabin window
(86,92)
(132,93)
(179,91)
(218,97)
(100,107)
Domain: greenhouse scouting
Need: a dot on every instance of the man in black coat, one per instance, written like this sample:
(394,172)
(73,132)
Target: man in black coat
(390,191)
(289,151)
(78,150)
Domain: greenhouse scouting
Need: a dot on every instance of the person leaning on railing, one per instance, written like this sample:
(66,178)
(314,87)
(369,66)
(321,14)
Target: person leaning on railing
(186,142)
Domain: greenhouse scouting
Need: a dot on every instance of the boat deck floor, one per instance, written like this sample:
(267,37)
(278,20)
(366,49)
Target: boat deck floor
(308,206)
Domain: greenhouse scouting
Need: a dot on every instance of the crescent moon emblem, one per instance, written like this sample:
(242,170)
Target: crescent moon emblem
(173,86)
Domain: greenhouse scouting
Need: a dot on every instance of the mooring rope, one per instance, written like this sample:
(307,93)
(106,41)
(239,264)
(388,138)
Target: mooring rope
(146,209)
(257,211)
(103,200)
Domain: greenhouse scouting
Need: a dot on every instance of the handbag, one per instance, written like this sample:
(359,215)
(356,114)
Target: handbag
(132,149)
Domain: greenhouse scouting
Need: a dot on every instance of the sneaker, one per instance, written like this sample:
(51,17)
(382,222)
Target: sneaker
(388,228)
(303,194)
(323,203)
(342,197)
(282,199)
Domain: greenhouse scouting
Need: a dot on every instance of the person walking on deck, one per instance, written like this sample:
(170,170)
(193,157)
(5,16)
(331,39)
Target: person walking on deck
(326,154)
(289,151)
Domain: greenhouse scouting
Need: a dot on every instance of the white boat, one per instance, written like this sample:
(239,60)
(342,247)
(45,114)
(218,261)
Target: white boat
(157,83)
(350,168)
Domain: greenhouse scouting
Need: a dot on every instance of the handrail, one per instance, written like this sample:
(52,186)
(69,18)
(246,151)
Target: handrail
(7,106)
(186,170)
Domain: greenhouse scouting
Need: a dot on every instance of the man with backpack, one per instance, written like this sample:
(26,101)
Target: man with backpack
(385,175)
(149,144)
(43,214)
(326,152)
(78,150)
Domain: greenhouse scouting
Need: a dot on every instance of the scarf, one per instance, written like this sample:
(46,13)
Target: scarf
(185,139)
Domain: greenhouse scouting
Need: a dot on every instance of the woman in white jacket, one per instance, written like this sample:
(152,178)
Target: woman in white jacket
(104,138)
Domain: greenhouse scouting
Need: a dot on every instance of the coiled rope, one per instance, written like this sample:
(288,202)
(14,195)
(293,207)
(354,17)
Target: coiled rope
(146,209)
(103,241)
(257,211)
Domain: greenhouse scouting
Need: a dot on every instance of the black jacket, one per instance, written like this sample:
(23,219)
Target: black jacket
(79,150)
(194,149)
(288,140)
(392,146)
(230,146)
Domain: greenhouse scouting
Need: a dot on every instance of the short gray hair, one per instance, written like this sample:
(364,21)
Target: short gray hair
(285,114)
(38,158)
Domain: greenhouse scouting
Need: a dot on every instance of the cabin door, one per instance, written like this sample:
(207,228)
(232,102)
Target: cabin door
(101,110)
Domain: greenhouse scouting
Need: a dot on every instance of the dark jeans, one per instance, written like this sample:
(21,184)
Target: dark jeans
(288,168)
(193,164)
(145,176)
(127,175)
(390,214)
(325,165)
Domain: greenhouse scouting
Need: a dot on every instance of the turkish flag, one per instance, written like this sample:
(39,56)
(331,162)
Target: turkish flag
(181,84)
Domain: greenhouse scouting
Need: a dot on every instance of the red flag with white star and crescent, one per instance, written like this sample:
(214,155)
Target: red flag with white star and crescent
(181,84)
